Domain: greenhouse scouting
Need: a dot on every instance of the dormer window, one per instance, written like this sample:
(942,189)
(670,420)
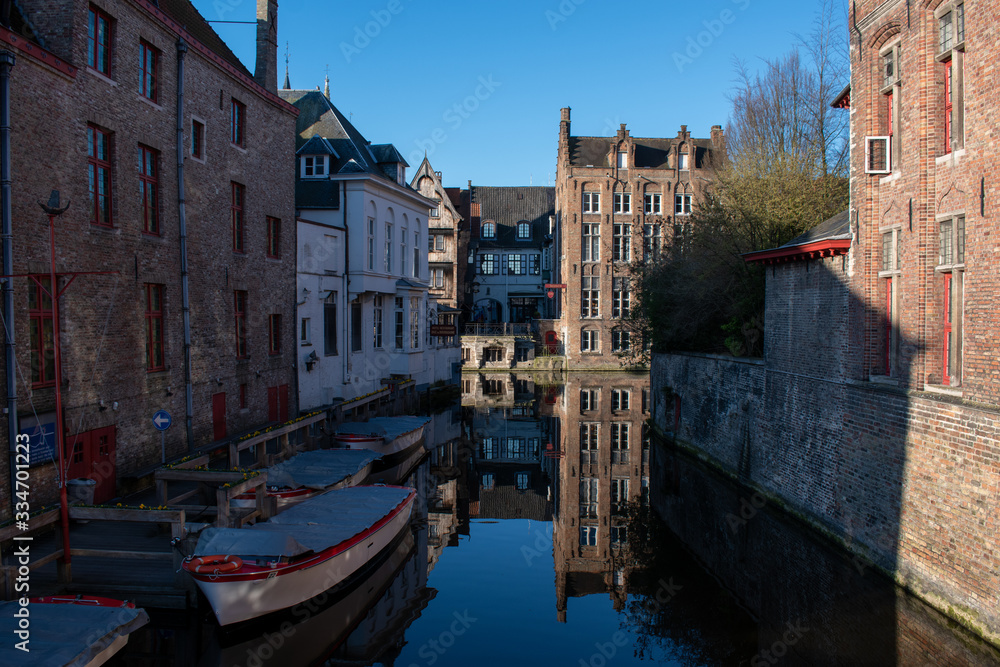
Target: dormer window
(489,230)
(315,166)
(523,231)
(622,160)
(682,161)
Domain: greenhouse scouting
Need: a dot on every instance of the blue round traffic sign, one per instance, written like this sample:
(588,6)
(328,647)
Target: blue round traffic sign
(162,420)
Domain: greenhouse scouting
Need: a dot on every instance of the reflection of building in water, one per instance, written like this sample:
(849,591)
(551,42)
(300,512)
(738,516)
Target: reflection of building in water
(507,438)
(447,494)
(603,465)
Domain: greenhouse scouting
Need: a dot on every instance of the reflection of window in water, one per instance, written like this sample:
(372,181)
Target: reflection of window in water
(520,411)
(588,400)
(619,399)
(588,536)
(588,443)
(432,530)
(489,448)
(619,443)
(523,387)
(488,481)
(493,387)
(523,480)
(644,493)
(619,577)
(619,535)
(589,489)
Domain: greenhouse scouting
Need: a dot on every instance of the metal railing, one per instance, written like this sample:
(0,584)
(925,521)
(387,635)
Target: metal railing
(498,329)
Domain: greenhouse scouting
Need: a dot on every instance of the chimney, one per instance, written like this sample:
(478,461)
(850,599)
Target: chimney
(564,133)
(266,72)
(717,136)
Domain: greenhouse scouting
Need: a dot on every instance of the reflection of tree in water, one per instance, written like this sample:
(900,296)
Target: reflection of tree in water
(672,606)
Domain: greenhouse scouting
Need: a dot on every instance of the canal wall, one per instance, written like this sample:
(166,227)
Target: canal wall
(909,481)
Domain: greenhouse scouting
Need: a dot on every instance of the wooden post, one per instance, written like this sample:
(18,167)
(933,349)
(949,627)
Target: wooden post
(234,455)
(161,491)
(261,454)
(222,502)
(284,448)
(178,531)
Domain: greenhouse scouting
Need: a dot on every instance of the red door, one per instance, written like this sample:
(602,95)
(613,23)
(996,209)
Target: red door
(277,403)
(91,455)
(283,403)
(272,404)
(219,416)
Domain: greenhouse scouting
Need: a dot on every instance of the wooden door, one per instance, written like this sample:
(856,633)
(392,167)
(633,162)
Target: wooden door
(283,403)
(219,416)
(91,455)
(272,404)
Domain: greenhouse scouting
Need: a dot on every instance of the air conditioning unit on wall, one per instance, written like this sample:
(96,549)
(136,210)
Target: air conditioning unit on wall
(878,155)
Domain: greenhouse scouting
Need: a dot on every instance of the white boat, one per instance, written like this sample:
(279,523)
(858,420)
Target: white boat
(311,473)
(67,630)
(300,553)
(385,435)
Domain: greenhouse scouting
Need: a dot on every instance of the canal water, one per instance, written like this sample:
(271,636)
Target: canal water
(550,529)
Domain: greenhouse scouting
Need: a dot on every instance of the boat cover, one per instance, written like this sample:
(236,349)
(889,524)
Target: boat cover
(65,634)
(319,469)
(389,428)
(313,525)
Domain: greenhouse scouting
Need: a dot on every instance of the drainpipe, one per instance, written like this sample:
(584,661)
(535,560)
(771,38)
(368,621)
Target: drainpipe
(6,63)
(182,227)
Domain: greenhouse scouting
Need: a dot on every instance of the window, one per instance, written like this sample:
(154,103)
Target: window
(645,399)
(591,242)
(437,278)
(590,296)
(517,265)
(273,237)
(890,274)
(414,322)
(622,160)
(154,327)
(682,161)
(534,264)
(149,68)
(621,340)
(238,123)
(523,231)
(330,324)
(236,208)
(951,265)
(377,322)
(653,204)
(240,308)
(493,354)
(489,230)
(588,536)
(356,326)
(314,166)
(619,442)
(651,243)
(304,331)
(436,209)
(99,41)
(148,190)
(523,481)
(489,265)
(890,112)
(591,202)
(439,242)
(619,494)
(197,140)
(623,202)
(399,323)
(274,334)
(589,340)
(682,204)
(402,252)
(371,244)
(951,45)
(621,249)
(488,481)
(388,248)
(589,497)
(620,298)
(99,175)
(588,400)
(619,399)
(588,443)
(619,536)
(416,253)
(43,354)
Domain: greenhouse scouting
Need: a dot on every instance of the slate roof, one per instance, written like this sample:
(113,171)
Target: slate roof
(506,206)
(649,153)
(184,13)
(352,153)
(317,146)
(317,193)
(837,227)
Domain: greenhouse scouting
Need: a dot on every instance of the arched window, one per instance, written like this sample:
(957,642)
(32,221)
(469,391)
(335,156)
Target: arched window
(523,231)
(489,230)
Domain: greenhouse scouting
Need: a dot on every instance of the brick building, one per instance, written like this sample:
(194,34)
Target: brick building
(88,121)
(875,410)
(618,201)
(442,238)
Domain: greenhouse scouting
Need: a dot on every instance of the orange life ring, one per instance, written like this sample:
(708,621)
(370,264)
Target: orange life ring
(215,564)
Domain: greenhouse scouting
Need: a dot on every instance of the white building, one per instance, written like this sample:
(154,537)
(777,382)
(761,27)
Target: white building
(362,287)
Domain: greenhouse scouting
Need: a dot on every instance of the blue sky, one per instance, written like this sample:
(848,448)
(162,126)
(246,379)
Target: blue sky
(479,85)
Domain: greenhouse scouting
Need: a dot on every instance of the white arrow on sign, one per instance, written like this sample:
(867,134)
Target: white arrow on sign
(160,420)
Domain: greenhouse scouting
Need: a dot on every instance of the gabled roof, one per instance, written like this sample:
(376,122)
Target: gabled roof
(317,146)
(506,206)
(830,238)
(318,117)
(650,153)
(425,170)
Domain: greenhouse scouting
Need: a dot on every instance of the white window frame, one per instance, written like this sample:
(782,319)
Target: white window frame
(683,203)
(591,202)
(489,230)
(622,203)
(315,166)
(653,204)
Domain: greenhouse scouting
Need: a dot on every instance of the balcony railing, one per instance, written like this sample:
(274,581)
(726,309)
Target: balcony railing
(498,329)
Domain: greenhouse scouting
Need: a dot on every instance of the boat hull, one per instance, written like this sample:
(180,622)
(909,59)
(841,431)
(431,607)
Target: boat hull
(379,445)
(237,597)
(285,498)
